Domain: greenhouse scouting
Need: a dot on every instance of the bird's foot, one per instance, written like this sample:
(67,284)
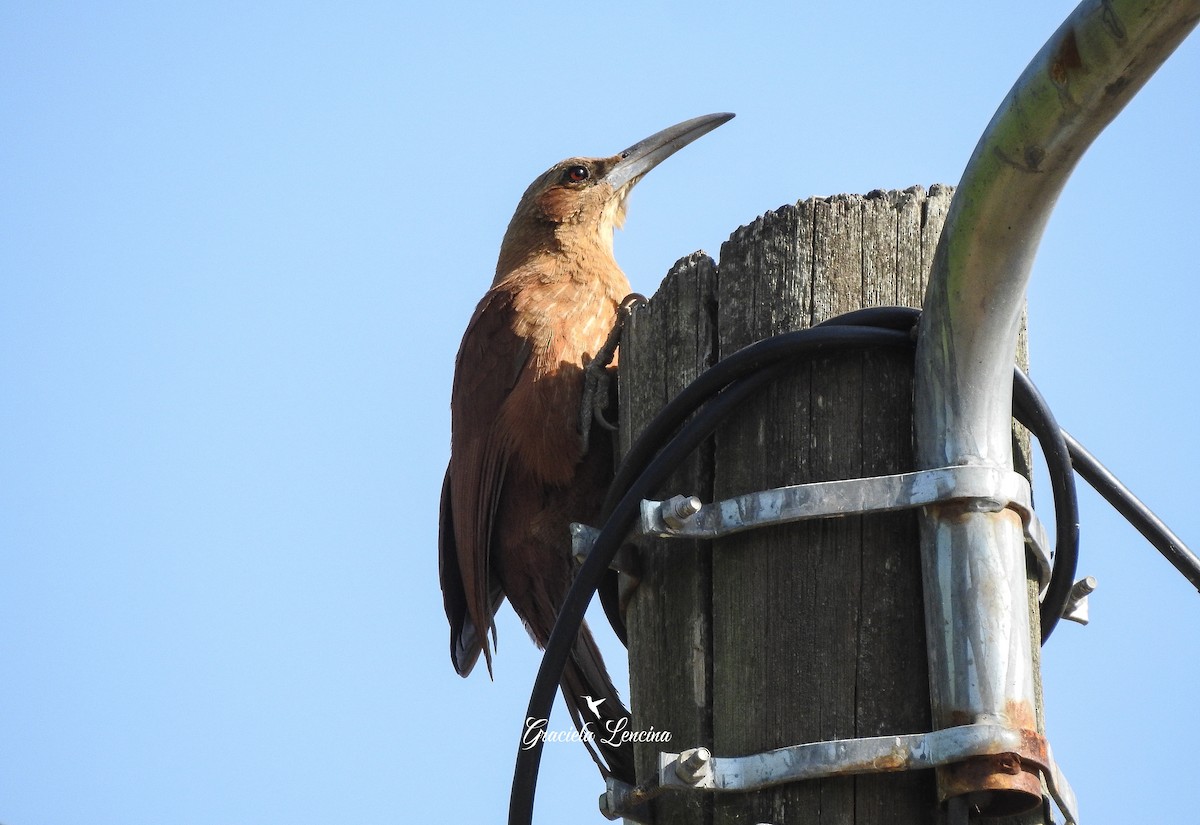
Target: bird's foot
(596,379)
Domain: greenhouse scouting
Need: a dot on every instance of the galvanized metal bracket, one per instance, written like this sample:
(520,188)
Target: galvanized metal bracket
(583,538)
(982,487)
(976,488)
(696,769)
(1077,603)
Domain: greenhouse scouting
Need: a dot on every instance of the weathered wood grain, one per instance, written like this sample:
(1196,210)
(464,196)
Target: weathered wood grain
(668,343)
(804,632)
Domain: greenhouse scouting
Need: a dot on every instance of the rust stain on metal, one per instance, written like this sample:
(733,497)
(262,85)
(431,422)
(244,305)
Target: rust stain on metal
(1020,715)
(1066,59)
(1034,749)
(961,717)
(894,760)
(1013,778)
(1013,787)
(1033,745)
(1009,763)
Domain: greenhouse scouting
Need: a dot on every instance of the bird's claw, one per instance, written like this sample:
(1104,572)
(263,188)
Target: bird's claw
(602,421)
(597,384)
(596,379)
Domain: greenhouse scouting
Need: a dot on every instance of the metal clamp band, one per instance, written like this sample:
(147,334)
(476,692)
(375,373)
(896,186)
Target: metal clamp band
(987,487)
(697,770)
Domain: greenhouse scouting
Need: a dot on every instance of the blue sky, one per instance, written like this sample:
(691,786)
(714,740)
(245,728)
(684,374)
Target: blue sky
(238,246)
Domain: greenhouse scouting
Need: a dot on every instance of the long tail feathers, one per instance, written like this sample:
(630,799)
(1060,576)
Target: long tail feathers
(593,701)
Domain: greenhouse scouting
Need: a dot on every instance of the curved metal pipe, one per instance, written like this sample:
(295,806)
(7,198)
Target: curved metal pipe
(981,667)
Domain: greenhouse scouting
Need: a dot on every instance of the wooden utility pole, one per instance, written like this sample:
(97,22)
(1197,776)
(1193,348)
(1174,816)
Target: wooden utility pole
(811,631)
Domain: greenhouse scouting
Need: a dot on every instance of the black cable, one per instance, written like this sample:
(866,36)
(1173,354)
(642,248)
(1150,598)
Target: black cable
(757,365)
(691,397)
(1134,511)
(743,362)
(618,525)
(1031,409)
(903,319)
(728,383)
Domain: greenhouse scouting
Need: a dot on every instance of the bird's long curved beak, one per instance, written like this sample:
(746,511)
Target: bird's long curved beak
(644,155)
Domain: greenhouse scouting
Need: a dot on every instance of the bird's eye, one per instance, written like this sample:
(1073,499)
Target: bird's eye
(576,174)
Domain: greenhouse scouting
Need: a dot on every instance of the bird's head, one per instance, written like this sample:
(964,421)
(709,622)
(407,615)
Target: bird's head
(583,199)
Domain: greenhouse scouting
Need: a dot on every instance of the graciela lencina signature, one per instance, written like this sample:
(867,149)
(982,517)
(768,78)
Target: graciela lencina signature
(614,733)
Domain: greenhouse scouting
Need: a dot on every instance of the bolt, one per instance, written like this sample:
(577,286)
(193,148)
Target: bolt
(1076,609)
(678,509)
(620,799)
(607,810)
(1083,587)
(692,764)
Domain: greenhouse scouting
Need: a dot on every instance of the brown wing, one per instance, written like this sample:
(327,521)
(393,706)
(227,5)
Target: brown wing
(466,643)
(490,360)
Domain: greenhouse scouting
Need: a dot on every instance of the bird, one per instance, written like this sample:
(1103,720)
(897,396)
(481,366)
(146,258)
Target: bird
(521,468)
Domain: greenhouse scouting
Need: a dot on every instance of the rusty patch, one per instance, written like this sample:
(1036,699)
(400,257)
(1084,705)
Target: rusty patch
(1066,59)
(1020,714)
(961,717)
(1008,763)
(1002,785)
(893,761)
(1033,749)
